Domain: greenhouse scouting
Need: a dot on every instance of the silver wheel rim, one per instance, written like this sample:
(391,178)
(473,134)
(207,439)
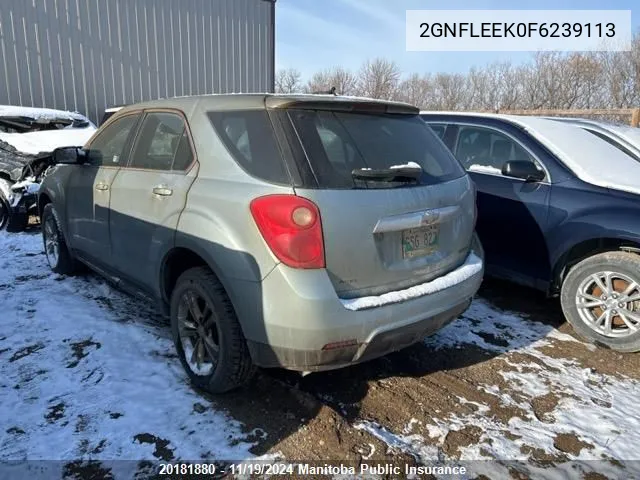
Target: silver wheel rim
(198,330)
(51,243)
(609,303)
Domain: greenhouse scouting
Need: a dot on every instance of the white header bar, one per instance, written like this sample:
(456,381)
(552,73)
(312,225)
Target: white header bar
(518,30)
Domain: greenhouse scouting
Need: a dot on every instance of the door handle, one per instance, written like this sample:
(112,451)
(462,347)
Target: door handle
(162,190)
(102,186)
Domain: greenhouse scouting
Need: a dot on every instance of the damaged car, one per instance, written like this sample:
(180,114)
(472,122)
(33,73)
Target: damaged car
(28,136)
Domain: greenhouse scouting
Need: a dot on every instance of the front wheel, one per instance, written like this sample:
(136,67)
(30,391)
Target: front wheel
(207,335)
(601,300)
(55,247)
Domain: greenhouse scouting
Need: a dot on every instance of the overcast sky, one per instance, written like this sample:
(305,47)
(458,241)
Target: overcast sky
(316,34)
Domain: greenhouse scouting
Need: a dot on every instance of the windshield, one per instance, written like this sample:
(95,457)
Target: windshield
(338,144)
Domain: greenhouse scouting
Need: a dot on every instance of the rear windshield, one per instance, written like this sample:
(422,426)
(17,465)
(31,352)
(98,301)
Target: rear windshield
(337,143)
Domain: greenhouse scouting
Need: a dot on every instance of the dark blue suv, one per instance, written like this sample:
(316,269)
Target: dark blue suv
(559,211)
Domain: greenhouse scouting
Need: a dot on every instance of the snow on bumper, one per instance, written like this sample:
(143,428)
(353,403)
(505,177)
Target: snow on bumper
(471,266)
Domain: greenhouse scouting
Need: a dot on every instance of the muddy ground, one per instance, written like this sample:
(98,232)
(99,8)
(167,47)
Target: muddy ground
(506,390)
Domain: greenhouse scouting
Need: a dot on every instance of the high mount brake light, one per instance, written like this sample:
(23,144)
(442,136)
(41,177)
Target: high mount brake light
(292,228)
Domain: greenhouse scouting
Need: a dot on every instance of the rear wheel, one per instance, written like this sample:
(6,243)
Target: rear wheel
(601,300)
(55,248)
(206,333)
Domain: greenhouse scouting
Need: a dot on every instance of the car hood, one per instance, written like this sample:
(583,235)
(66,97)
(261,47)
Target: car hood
(48,140)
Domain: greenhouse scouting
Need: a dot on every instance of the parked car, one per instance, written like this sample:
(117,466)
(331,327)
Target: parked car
(27,138)
(623,137)
(557,211)
(110,112)
(304,232)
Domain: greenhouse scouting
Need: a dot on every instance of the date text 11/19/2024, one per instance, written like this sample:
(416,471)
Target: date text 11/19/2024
(205,470)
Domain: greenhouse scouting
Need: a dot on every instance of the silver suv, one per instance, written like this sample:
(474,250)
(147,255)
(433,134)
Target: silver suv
(304,232)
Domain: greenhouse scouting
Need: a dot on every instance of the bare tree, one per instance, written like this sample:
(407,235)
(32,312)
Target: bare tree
(417,90)
(550,80)
(344,81)
(288,81)
(379,78)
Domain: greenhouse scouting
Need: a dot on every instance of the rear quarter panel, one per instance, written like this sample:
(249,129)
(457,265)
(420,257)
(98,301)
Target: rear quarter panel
(217,220)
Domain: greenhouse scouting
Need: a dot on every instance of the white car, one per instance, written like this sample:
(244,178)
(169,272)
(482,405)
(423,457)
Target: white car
(28,136)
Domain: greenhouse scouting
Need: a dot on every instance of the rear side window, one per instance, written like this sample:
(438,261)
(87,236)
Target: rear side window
(249,137)
(337,143)
(163,143)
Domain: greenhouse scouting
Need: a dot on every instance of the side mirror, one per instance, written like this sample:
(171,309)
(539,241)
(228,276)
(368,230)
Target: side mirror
(69,155)
(523,169)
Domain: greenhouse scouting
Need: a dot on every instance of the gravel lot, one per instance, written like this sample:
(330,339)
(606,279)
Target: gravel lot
(89,373)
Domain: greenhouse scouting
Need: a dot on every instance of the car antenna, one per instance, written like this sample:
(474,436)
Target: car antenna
(332,91)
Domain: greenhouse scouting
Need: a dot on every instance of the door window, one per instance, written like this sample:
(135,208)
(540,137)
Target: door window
(108,149)
(485,150)
(439,129)
(163,144)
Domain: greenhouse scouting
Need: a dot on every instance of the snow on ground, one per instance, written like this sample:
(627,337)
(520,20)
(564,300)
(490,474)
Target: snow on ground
(599,411)
(87,372)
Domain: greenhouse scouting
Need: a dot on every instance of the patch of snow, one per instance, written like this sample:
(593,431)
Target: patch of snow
(406,165)
(48,140)
(89,373)
(409,444)
(563,337)
(485,169)
(472,266)
(29,184)
(44,114)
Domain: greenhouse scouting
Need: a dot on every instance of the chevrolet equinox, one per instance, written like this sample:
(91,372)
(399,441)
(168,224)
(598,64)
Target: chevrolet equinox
(305,232)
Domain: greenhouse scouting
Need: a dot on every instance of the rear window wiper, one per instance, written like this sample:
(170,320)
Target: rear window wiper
(394,174)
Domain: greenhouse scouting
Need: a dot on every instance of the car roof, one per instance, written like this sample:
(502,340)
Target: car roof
(238,101)
(582,152)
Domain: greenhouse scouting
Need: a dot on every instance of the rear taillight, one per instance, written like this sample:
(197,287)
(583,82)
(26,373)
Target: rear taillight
(292,228)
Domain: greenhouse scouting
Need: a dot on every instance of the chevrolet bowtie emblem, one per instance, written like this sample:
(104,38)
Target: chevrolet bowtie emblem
(429,217)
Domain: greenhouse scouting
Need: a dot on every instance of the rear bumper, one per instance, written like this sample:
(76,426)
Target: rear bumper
(381,344)
(298,317)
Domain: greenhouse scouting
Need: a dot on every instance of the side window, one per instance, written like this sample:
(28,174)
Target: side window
(249,137)
(163,143)
(108,147)
(439,129)
(486,150)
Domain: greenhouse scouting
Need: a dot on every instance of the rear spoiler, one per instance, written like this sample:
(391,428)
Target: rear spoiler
(341,104)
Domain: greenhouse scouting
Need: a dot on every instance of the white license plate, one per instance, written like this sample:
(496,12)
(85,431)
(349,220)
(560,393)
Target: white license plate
(418,242)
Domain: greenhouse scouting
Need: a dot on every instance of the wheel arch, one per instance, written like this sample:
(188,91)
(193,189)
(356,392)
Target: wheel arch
(585,249)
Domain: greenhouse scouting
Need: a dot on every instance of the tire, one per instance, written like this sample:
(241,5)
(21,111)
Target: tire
(608,317)
(226,362)
(60,261)
(17,222)
(5,212)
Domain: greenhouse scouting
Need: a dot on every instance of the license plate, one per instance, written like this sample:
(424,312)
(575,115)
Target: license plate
(417,242)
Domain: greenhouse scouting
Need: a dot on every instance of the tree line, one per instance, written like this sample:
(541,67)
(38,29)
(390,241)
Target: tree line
(549,80)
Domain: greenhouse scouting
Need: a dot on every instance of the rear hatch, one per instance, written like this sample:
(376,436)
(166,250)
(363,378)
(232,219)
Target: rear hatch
(397,208)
